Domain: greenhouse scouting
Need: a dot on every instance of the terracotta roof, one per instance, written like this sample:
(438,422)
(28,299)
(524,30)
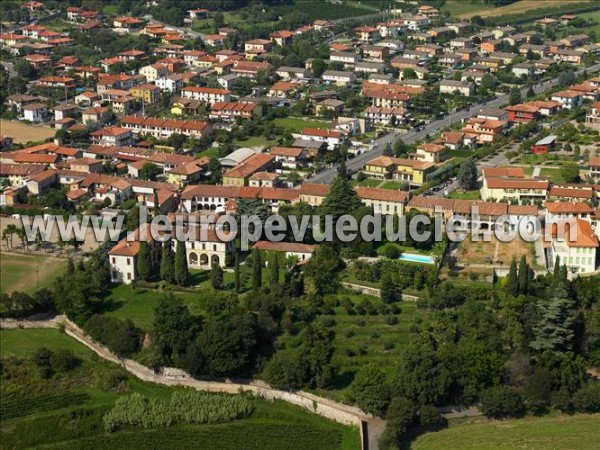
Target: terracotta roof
(584,234)
(293,247)
(506,183)
(317,190)
(502,172)
(568,207)
(286,151)
(571,192)
(322,133)
(388,195)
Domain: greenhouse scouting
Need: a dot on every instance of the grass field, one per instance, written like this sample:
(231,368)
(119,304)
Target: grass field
(551,432)
(296,125)
(362,339)
(78,424)
(595,16)
(23,132)
(466,9)
(254,141)
(27,273)
(392,185)
(459,194)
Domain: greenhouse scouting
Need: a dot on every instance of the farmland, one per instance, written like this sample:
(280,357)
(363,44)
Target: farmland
(470,9)
(66,410)
(556,432)
(22,132)
(27,272)
(363,337)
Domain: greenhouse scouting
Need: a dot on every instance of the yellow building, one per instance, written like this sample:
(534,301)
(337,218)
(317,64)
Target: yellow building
(414,172)
(149,93)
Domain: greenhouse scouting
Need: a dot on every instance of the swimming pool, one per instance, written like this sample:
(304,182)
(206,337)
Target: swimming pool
(413,257)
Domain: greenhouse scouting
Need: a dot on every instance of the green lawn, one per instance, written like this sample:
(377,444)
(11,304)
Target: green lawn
(551,432)
(254,141)
(41,419)
(23,342)
(459,194)
(28,272)
(138,304)
(369,182)
(552,174)
(296,124)
(394,185)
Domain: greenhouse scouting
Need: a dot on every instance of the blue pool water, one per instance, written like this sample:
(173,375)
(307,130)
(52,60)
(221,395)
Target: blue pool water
(412,257)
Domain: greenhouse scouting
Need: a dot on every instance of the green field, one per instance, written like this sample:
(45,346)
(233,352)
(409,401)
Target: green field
(296,125)
(362,339)
(66,410)
(595,16)
(393,185)
(27,273)
(457,7)
(579,431)
(459,194)
(249,18)
(254,141)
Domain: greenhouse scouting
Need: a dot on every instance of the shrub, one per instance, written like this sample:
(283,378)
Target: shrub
(349,333)
(391,320)
(502,401)
(391,251)
(430,418)
(388,345)
(587,399)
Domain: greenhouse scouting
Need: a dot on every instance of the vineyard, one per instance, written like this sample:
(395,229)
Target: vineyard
(18,406)
(233,436)
(69,411)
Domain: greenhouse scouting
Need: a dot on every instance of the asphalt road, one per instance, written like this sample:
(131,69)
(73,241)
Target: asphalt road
(357,163)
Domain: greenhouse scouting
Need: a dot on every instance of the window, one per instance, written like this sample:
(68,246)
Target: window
(114,260)
(214,247)
(128,261)
(129,275)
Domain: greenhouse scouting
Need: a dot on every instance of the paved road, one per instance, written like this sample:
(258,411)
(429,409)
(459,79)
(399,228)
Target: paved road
(357,163)
(10,68)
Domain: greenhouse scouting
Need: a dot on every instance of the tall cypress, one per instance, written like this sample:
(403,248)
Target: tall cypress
(256,270)
(523,275)
(238,284)
(182,274)
(167,263)
(216,276)
(274,271)
(512,282)
(144,262)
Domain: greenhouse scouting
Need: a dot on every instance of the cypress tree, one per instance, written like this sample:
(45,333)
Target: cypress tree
(512,282)
(256,270)
(182,274)
(216,276)
(274,271)
(167,263)
(523,275)
(144,262)
(238,285)
(388,289)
